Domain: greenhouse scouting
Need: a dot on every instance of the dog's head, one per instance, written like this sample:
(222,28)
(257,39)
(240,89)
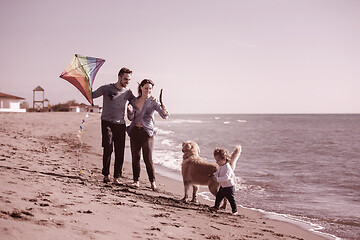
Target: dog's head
(190,148)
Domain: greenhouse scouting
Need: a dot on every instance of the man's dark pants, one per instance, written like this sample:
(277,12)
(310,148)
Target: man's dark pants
(113,135)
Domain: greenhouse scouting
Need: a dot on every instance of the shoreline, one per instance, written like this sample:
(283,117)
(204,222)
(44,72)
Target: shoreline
(304,225)
(44,195)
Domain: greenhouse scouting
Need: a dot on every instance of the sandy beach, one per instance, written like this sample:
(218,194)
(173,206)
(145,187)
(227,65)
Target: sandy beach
(51,190)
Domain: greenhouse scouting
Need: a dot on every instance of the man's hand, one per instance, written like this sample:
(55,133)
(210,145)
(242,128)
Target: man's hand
(130,109)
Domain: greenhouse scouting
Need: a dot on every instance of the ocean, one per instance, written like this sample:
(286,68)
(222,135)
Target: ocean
(301,168)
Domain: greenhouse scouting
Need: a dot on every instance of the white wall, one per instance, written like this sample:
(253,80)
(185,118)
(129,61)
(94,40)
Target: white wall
(10,105)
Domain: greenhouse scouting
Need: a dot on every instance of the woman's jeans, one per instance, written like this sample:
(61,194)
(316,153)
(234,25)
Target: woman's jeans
(139,139)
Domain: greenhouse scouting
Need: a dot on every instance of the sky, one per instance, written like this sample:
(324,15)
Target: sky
(230,56)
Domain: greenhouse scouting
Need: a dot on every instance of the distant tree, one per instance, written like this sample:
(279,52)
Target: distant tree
(24,105)
(63,107)
(72,103)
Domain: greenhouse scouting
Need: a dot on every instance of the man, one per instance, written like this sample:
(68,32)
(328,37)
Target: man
(115,96)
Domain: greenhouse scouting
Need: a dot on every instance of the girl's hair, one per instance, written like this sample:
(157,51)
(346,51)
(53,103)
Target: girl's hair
(143,82)
(222,153)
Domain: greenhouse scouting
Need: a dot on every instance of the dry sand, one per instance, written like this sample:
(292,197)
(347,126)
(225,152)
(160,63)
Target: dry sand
(43,194)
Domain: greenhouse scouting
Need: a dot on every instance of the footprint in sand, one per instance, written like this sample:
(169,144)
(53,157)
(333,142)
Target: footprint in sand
(19,214)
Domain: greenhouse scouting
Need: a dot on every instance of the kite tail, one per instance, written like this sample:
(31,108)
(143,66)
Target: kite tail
(80,143)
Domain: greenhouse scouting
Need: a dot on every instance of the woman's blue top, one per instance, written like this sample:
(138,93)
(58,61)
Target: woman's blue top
(145,116)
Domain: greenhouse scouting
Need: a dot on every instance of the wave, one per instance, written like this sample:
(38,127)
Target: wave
(169,159)
(179,121)
(160,131)
(240,121)
(241,185)
(167,142)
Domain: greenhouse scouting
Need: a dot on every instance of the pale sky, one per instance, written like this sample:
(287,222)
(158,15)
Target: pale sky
(230,56)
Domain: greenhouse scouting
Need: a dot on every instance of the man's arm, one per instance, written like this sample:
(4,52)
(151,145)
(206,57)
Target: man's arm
(99,92)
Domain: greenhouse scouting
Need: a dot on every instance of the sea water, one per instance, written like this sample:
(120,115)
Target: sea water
(305,168)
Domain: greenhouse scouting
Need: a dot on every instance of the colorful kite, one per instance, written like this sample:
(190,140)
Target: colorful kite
(81,73)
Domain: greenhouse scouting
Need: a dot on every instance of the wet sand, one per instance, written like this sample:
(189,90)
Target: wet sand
(50,190)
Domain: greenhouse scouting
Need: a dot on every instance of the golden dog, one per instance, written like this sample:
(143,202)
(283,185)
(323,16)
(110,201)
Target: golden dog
(196,171)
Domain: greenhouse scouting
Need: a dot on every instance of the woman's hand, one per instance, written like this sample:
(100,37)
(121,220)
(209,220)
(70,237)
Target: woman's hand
(163,109)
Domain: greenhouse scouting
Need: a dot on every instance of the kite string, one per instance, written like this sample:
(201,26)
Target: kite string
(80,142)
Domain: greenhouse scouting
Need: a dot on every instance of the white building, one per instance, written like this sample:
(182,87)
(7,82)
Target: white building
(85,108)
(10,103)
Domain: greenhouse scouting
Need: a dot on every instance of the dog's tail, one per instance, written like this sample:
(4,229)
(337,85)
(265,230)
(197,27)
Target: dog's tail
(235,156)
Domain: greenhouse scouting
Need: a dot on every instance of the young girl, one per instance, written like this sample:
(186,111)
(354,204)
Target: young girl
(226,178)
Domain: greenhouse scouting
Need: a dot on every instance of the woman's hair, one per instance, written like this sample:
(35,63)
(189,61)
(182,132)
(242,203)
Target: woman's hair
(222,153)
(143,82)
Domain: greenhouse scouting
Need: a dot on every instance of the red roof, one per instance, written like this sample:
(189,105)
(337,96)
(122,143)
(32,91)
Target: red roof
(4,95)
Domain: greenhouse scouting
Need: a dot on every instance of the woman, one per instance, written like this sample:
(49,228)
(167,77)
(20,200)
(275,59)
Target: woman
(141,130)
